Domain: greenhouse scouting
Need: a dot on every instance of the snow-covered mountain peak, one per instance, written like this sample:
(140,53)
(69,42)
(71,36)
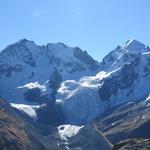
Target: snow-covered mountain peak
(25,41)
(61,51)
(124,54)
(133,45)
(57,45)
(24,62)
(20,46)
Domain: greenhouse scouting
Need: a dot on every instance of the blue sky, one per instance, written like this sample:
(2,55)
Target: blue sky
(97,26)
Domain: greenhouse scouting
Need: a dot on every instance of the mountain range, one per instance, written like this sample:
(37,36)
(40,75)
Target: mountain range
(61,94)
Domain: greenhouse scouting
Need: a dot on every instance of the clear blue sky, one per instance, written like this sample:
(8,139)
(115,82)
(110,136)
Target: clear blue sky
(97,26)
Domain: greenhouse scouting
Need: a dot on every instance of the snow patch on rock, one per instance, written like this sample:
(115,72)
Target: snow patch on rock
(30,110)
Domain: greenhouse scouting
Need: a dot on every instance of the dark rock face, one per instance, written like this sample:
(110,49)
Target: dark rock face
(54,83)
(55,80)
(142,130)
(133,144)
(127,76)
(124,80)
(109,88)
(17,68)
(35,95)
(6,70)
(84,57)
(50,115)
(75,67)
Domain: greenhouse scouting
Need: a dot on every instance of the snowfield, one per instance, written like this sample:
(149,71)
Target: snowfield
(30,110)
